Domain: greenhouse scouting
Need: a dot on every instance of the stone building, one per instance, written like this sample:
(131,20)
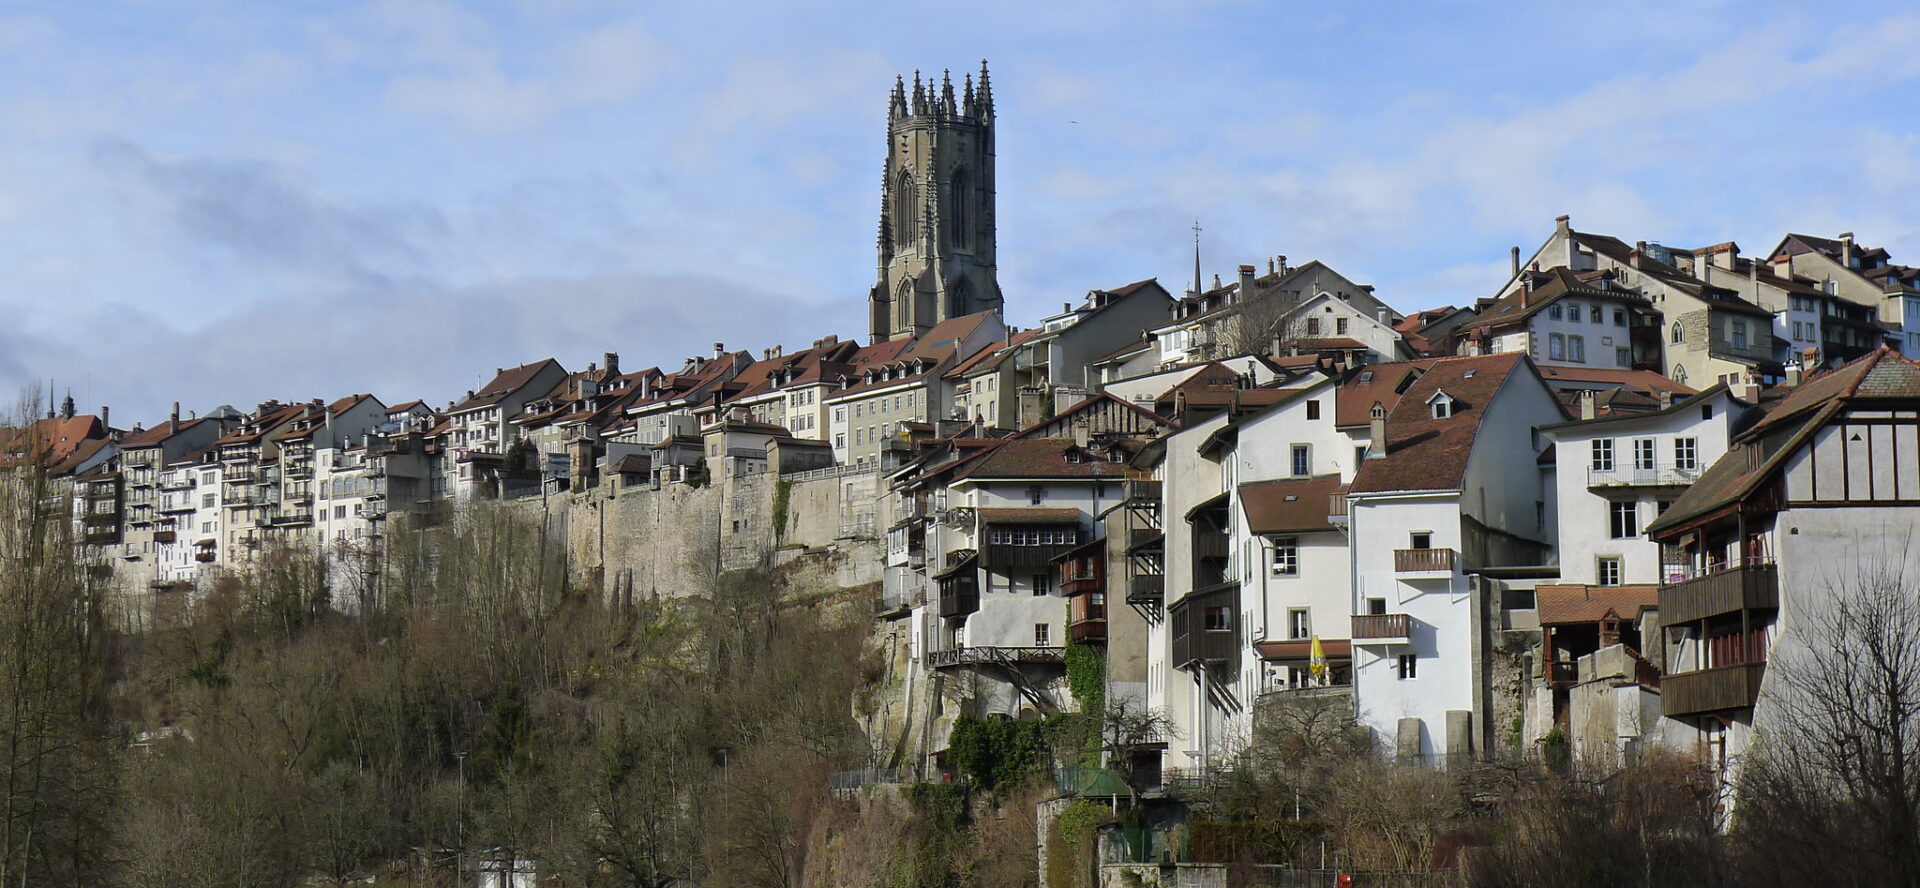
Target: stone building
(936,209)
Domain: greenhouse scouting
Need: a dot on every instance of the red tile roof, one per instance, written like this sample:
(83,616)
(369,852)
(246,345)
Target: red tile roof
(1041,458)
(1562,605)
(1291,505)
(1375,384)
(505,383)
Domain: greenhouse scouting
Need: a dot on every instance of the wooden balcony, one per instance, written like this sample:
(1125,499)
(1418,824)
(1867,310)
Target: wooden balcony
(1207,544)
(1336,508)
(1423,561)
(1144,538)
(1722,689)
(1002,555)
(1144,492)
(1083,585)
(959,596)
(203,557)
(1730,590)
(1087,618)
(1382,628)
(1147,589)
(1193,638)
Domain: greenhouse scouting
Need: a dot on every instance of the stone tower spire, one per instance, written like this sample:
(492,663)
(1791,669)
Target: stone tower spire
(935,244)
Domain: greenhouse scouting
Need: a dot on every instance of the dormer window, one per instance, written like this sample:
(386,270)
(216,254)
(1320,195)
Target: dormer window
(1441,405)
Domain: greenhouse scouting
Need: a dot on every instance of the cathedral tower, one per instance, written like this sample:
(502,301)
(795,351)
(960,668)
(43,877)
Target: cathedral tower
(936,208)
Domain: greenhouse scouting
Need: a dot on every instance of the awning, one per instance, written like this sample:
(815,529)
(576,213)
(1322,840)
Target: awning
(1302,649)
(966,563)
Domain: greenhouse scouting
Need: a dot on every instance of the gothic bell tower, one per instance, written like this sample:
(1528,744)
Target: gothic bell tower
(936,208)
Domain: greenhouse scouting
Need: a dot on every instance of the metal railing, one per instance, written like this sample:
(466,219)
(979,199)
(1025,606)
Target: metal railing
(1651,476)
(1007,656)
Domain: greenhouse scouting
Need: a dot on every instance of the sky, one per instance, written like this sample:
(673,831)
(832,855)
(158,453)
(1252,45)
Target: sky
(222,202)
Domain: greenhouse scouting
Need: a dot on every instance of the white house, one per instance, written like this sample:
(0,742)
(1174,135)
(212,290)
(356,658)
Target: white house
(1452,490)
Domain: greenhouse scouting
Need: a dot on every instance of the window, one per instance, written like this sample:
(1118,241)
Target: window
(1376,606)
(1643,453)
(206,501)
(1219,619)
(1625,520)
(1609,570)
(1042,634)
(1596,314)
(1340,326)
(1686,454)
(1706,410)
(1577,349)
(1556,347)
(1359,455)
(859,436)
(1286,557)
(1442,407)
(1573,313)
(1602,455)
(840,440)
(1420,539)
(340,513)
(1679,373)
(1619,317)
(1407,666)
(1623,357)
(1553,311)
(1036,494)
(1674,335)
(1313,326)
(1739,334)
(1298,624)
(1042,584)
(1313,409)
(1302,460)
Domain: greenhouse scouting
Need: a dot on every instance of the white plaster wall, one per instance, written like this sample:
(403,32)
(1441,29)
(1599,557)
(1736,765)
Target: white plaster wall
(1441,619)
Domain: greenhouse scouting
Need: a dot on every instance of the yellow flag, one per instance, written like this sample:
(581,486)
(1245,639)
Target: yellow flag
(1317,659)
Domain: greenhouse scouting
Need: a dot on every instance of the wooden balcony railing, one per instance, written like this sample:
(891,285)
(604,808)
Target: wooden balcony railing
(1003,655)
(1423,560)
(1147,589)
(1336,506)
(1209,545)
(1720,689)
(1752,586)
(1381,625)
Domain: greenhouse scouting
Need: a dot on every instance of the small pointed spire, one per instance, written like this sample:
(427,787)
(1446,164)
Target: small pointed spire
(968,96)
(897,100)
(946,90)
(986,91)
(919,94)
(1196,258)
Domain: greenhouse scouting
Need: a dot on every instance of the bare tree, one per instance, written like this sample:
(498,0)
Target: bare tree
(1831,794)
(1261,325)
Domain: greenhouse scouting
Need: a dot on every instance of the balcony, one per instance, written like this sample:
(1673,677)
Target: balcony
(1413,564)
(1087,618)
(290,519)
(1143,493)
(1382,628)
(1207,544)
(204,557)
(1663,475)
(1720,689)
(1754,586)
(1206,625)
(164,536)
(1141,538)
(1003,555)
(1006,656)
(1148,589)
(297,471)
(1083,585)
(1336,508)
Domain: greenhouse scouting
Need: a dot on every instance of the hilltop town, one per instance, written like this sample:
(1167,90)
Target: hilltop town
(1576,518)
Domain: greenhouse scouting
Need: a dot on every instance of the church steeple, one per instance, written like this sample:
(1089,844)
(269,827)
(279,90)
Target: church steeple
(936,232)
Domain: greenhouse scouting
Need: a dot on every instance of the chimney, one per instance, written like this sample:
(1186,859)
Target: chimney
(1587,409)
(1639,254)
(1377,437)
(1666,398)
(1846,248)
(1246,281)
(1082,435)
(1270,268)
(1381,316)
(1749,388)
(612,363)
(1753,269)
(1282,259)
(719,348)
(1793,373)
(103,416)
(173,420)
(1562,223)
(1516,261)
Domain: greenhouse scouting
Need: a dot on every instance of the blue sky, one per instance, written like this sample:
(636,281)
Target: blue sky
(223,202)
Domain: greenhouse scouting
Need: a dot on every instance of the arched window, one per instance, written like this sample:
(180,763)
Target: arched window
(960,230)
(906,208)
(1677,336)
(1679,373)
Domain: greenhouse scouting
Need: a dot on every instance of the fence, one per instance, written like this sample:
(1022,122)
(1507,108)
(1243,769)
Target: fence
(1220,875)
(847,781)
(829,472)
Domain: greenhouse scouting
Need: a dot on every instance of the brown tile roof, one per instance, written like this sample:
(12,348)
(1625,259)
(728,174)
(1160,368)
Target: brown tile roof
(158,434)
(257,427)
(1375,384)
(993,355)
(1424,453)
(1551,286)
(1759,452)
(505,383)
(945,334)
(1040,458)
(1641,380)
(53,440)
(1291,505)
(1335,342)
(1569,604)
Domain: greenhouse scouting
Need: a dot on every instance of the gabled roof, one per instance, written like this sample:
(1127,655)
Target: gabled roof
(157,435)
(1425,453)
(1548,287)
(53,439)
(1376,384)
(1758,453)
(1042,458)
(991,357)
(946,334)
(504,384)
(1641,380)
